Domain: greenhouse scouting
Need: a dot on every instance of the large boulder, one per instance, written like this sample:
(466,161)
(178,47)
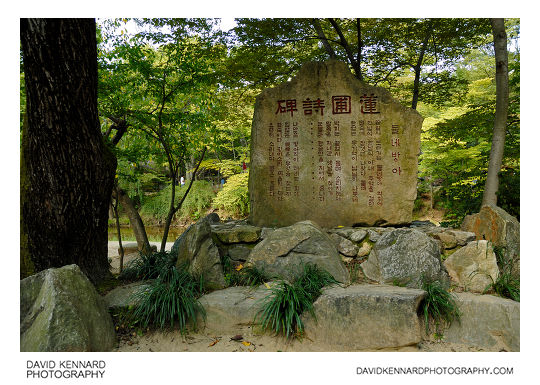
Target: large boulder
(487,322)
(196,248)
(363,317)
(494,224)
(473,267)
(282,253)
(405,257)
(61,311)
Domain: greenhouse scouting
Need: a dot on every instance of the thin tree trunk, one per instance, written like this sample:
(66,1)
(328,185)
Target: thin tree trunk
(501,113)
(346,47)
(322,37)
(174,209)
(120,247)
(135,221)
(418,68)
(67,171)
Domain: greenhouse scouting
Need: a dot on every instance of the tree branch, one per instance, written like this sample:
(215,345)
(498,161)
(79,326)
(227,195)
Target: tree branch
(322,37)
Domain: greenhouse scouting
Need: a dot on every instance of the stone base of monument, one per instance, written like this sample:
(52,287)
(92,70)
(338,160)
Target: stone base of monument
(377,305)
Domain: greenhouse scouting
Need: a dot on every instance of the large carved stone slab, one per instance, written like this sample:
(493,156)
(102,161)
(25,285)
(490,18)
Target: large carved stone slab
(329,148)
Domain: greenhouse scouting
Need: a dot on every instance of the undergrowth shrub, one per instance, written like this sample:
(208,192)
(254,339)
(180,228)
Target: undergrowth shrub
(237,275)
(281,311)
(197,201)
(507,283)
(234,197)
(172,297)
(146,266)
(439,305)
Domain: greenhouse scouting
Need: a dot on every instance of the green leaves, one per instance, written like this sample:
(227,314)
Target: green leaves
(281,311)
(439,305)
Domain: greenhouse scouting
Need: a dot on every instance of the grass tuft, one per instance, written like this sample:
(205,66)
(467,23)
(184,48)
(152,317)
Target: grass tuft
(439,305)
(173,296)
(146,266)
(507,283)
(281,311)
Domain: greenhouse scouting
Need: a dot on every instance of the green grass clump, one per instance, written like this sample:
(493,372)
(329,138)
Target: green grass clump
(246,276)
(281,311)
(146,266)
(439,305)
(173,296)
(234,197)
(507,283)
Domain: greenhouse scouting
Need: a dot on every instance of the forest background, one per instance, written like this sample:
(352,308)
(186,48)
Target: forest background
(176,100)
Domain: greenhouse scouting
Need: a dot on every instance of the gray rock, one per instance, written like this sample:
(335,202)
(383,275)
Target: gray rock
(462,237)
(207,263)
(344,246)
(363,250)
(239,253)
(189,242)
(61,311)
(362,317)
(265,232)
(473,267)
(358,235)
(405,256)
(283,252)
(345,232)
(125,296)
(373,235)
(447,239)
(230,308)
(487,322)
(196,248)
(236,233)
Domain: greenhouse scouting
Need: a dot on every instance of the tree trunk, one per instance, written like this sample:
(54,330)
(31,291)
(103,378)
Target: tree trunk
(501,113)
(173,209)
(114,208)
(418,68)
(67,172)
(135,221)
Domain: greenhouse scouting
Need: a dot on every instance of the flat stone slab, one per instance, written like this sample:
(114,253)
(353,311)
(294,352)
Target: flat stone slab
(361,317)
(228,309)
(123,296)
(487,322)
(236,233)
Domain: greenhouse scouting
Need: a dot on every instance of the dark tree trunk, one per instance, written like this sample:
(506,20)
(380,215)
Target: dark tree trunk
(501,113)
(67,172)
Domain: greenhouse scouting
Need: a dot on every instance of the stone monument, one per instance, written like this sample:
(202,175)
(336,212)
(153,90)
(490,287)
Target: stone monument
(329,148)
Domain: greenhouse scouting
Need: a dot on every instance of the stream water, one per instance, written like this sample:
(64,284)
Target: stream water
(154,233)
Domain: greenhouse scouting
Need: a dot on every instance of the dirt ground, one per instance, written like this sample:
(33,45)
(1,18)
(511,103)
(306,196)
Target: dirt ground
(251,341)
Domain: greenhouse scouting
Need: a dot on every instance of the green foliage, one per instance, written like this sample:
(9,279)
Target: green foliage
(281,311)
(439,305)
(173,296)
(197,201)
(234,197)
(237,275)
(146,266)
(507,283)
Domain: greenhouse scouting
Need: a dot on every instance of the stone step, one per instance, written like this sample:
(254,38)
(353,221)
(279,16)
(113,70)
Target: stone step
(361,317)
(487,322)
